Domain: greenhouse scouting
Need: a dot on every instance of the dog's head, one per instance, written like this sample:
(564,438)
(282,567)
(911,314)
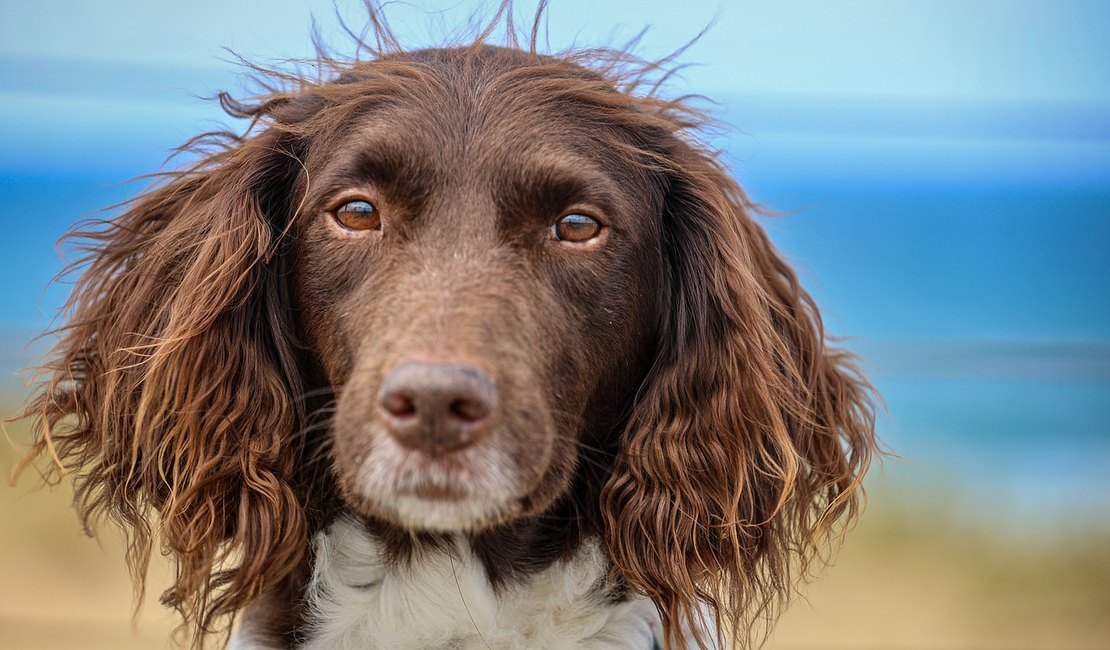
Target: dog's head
(461,285)
(477,264)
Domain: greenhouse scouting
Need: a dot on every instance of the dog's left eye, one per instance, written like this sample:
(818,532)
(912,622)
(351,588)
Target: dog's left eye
(358,215)
(576,228)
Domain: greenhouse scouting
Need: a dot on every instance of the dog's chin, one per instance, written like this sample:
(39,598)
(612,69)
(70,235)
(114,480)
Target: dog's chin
(465,515)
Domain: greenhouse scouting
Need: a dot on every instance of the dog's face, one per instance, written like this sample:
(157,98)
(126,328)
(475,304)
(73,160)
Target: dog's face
(480,273)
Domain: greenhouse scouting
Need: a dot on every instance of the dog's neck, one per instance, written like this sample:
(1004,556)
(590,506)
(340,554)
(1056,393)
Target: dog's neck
(444,595)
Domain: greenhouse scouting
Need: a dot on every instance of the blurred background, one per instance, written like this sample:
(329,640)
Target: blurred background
(944,170)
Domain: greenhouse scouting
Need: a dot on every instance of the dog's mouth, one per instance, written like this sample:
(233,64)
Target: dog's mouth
(435,492)
(445,478)
(467,490)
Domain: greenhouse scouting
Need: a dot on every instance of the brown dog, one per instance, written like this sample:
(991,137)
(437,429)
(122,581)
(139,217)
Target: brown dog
(458,348)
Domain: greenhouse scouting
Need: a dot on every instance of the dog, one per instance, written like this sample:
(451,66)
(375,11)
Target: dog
(458,347)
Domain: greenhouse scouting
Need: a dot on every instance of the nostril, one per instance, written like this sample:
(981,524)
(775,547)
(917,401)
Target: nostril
(470,410)
(398,405)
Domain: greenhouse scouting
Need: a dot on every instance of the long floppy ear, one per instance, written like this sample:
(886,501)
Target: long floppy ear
(172,390)
(750,437)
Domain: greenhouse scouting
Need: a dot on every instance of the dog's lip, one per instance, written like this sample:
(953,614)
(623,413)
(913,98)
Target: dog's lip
(453,463)
(445,477)
(434,492)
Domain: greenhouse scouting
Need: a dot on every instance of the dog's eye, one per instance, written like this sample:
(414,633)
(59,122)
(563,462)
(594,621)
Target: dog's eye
(358,215)
(576,228)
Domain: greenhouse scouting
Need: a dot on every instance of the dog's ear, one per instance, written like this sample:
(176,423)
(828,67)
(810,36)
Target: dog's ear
(171,396)
(750,437)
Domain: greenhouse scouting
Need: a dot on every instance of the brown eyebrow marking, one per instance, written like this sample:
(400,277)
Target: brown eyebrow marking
(392,168)
(546,190)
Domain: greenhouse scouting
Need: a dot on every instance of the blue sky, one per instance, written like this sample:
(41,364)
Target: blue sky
(921,89)
(998,49)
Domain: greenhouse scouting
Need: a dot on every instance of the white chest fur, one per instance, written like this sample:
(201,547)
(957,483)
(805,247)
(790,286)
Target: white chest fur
(444,601)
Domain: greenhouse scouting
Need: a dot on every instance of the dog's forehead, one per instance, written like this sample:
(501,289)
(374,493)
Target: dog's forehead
(503,94)
(486,113)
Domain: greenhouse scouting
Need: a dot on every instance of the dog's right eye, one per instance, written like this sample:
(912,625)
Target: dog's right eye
(576,228)
(358,215)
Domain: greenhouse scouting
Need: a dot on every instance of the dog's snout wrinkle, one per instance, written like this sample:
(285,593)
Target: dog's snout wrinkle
(437,408)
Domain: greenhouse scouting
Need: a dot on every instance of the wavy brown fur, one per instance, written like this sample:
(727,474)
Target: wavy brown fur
(175,388)
(751,435)
(170,388)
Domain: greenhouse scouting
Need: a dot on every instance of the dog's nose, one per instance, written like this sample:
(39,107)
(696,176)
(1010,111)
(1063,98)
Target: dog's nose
(437,407)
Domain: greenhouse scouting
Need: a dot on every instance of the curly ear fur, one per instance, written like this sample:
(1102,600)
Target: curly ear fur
(750,437)
(170,387)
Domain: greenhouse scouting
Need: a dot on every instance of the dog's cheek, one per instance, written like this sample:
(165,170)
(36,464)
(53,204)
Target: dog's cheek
(352,439)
